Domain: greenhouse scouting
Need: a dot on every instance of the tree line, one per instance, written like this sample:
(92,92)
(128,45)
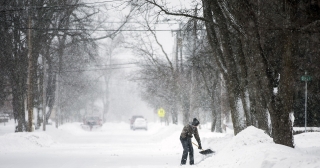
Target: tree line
(246,57)
(46,48)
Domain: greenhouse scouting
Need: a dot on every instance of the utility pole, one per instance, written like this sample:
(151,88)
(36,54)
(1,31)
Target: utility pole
(58,101)
(192,109)
(176,82)
(62,41)
(30,78)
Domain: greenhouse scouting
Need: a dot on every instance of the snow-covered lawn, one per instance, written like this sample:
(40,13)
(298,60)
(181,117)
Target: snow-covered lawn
(116,146)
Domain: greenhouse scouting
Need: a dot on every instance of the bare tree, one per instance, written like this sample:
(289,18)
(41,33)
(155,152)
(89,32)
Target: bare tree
(250,61)
(56,28)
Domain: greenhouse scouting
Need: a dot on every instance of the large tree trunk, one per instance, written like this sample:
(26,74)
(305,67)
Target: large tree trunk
(254,80)
(243,77)
(218,31)
(282,103)
(30,95)
(18,80)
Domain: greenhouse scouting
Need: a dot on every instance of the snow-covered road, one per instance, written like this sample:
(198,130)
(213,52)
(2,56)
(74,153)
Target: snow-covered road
(113,145)
(92,158)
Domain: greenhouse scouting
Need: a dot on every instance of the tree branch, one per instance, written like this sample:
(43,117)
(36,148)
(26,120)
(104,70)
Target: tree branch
(162,9)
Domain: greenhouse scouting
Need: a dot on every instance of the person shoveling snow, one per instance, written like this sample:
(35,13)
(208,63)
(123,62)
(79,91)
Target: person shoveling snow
(185,138)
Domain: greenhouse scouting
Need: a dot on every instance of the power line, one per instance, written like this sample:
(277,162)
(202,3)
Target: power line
(102,30)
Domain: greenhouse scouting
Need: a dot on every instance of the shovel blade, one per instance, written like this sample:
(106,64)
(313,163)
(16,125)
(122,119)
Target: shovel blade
(206,152)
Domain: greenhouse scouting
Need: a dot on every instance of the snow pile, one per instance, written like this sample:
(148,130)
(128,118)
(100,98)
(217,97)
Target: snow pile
(254,148)
(249,137)
(243,150)
(24,141)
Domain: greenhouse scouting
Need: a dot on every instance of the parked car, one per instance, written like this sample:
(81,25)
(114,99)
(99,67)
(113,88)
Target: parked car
(91,121)
(4,117)
(133,118)
(140,123)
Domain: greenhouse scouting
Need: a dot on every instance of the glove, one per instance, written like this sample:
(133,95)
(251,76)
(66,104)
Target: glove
(199,146)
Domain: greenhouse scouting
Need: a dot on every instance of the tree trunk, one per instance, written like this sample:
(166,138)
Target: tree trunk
(214,119)
(30,79)
(282,103)
(243,78)
(18,80)
(18,107)
(217,102)
(43,94)
(51,89)
(219,31)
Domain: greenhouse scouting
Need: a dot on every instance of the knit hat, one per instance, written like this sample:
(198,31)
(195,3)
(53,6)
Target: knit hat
(195,122)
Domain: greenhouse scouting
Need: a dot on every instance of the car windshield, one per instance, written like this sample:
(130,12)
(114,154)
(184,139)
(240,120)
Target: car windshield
(134,117)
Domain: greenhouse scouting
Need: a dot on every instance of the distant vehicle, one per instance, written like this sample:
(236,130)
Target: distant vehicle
(133,118)
(91,121)
(140,123)
(4,117)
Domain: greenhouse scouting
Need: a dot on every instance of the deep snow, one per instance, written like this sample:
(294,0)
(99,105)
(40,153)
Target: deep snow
(116,146)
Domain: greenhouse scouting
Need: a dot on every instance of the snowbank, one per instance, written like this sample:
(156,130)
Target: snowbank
(24,141)
(254,148)
(251,136)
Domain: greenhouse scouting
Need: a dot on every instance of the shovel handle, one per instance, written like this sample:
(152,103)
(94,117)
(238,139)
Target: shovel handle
(196,145)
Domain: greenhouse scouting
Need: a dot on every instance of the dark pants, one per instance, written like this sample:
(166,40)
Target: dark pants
(187,147)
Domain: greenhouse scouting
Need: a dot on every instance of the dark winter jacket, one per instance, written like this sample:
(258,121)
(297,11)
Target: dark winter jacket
(187,132)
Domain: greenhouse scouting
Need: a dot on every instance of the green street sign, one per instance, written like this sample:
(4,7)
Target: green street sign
(306,78)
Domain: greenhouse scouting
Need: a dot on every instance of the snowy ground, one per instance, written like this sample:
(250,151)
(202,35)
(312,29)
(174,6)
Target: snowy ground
(116,146)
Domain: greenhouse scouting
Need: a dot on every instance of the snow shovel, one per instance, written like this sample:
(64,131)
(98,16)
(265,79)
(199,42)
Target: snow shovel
(204,152)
